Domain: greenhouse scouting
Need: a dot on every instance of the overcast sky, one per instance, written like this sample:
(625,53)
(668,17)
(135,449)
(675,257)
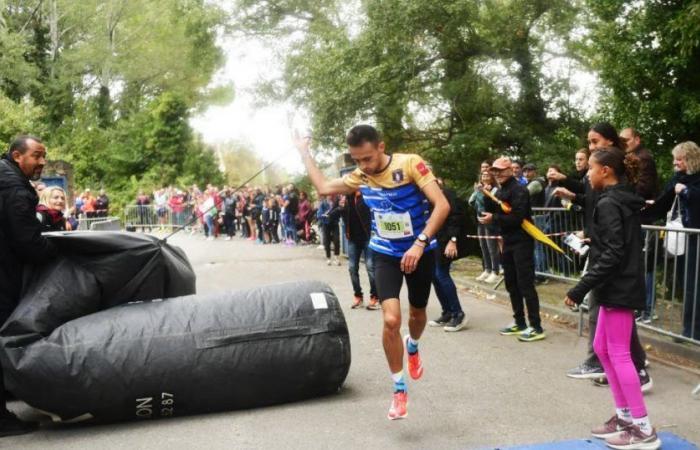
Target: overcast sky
(266,130)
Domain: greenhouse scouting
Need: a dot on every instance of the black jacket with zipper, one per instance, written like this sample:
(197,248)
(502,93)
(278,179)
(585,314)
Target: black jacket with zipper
(21,241)
(616,267)
(454,226)
(518,197)
(357,218)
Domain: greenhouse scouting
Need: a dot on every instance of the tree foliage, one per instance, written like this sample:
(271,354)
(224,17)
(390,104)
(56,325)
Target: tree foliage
(463,80)
(457,80)
(111,84)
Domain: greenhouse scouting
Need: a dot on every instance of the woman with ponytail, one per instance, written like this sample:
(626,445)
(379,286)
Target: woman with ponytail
(616,278)
(601,136)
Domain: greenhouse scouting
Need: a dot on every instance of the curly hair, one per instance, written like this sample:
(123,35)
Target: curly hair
(623,164)
(690,153)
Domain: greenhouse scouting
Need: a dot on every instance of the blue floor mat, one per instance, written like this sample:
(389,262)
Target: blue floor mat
(669,441)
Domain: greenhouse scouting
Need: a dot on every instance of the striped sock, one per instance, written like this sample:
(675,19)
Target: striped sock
(399,382)
(411,345)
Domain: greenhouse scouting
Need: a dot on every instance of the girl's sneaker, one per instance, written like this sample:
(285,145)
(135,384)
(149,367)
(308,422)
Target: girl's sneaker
(612,428)
(634,439)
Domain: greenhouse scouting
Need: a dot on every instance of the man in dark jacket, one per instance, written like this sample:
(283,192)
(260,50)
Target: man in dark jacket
(518,251)
(21,241)
(451,246)
(358,226)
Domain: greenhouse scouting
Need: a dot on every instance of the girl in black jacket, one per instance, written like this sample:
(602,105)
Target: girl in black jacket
(616,275)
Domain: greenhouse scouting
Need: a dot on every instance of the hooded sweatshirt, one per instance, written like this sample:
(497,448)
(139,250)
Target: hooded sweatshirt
(616,268)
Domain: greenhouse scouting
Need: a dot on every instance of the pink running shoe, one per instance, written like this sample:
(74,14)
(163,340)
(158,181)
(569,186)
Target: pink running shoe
(399,406)
(415,365)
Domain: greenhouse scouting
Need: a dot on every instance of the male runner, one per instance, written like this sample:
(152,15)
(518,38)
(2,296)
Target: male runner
(398,190)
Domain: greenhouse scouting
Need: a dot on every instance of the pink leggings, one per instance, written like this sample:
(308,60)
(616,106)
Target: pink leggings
(612,345)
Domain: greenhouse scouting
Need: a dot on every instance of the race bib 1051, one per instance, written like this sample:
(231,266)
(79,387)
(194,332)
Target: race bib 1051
(393,225)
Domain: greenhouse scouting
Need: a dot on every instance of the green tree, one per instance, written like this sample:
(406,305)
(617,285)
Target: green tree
(647,55)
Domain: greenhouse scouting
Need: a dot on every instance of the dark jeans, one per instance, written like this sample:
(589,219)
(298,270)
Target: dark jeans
(445,288)
(518,264)
(355,250)
(331,233)
(542,222)
(638,353)
(230,224)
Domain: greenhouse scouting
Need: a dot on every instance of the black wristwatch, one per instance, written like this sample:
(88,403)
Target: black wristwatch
(453,239)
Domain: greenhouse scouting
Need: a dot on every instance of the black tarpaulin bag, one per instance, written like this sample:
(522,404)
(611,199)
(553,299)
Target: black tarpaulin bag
(170,357)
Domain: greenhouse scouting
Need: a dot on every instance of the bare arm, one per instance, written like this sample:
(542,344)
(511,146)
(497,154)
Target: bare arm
(441,209)
(322,185)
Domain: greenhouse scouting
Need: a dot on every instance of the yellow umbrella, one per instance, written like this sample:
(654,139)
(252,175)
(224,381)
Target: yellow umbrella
(529,227)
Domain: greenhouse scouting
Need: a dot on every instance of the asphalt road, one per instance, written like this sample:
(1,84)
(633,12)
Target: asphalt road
(479,390)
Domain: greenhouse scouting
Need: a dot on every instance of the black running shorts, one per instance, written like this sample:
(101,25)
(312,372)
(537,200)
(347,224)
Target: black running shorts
(389,278)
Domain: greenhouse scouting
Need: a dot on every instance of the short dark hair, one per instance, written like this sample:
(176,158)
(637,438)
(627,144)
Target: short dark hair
(20,144)
(359,134)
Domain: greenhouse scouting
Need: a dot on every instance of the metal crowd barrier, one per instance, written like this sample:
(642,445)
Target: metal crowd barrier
(97,223)
(149,217)
(557,223)
(672,281)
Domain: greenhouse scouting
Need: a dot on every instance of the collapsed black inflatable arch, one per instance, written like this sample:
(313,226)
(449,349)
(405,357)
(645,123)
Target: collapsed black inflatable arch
(112,331)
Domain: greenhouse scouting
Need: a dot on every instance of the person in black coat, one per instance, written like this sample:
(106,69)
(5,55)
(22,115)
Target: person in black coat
(452,242)
(518,251)
(616,276)
(21,241)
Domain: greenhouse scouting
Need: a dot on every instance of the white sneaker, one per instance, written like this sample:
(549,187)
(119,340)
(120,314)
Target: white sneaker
(492,278)
(483,276)
(328,261)
(336,261)
(227,238)
(210,238)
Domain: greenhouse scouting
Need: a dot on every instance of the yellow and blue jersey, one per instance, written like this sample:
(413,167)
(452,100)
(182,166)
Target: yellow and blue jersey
(399,208)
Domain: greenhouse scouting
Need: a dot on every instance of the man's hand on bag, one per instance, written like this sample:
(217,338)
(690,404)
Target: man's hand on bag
(680,187)
(569,302)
